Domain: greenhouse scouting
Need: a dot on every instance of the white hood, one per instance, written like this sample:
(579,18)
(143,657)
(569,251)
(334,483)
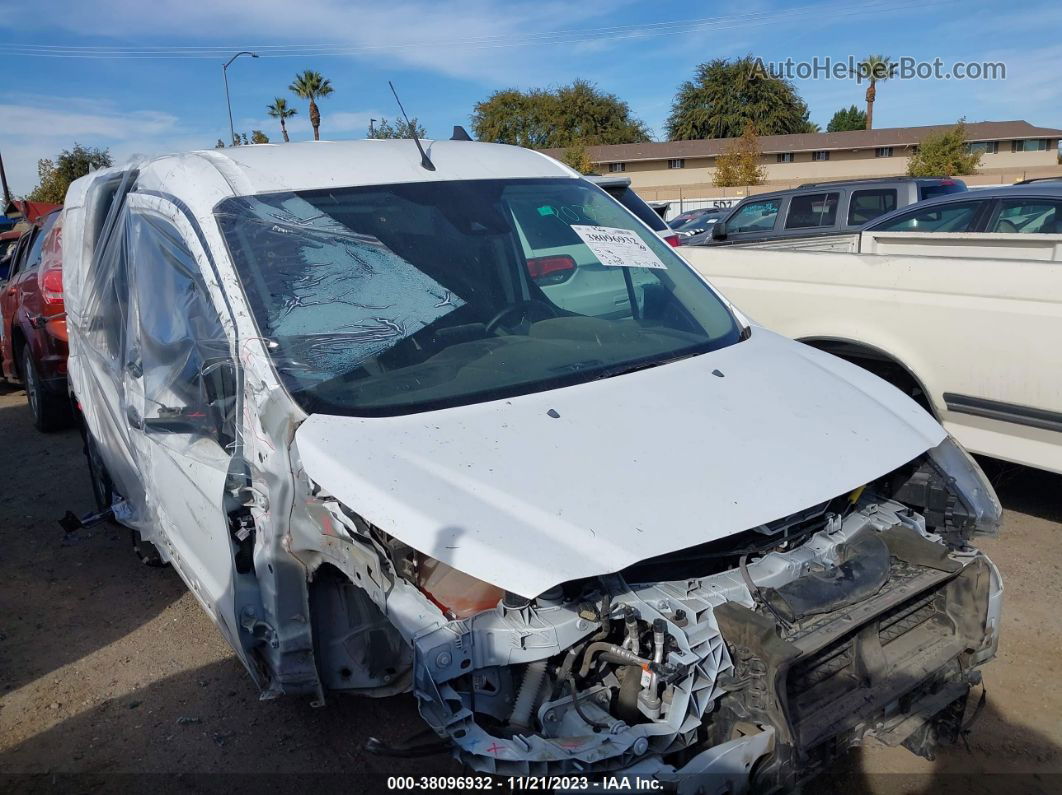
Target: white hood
(634,466)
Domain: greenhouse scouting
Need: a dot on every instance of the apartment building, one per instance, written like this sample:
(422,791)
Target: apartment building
(1011,150)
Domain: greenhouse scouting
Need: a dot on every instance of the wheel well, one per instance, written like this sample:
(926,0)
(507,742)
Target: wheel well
(883,365)
(18,342)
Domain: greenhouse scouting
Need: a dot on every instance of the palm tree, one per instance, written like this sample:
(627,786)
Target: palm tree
(280,110)
(312,86)
(873,69)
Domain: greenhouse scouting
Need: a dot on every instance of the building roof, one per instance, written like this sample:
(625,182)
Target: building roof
(28,210)
(805,142)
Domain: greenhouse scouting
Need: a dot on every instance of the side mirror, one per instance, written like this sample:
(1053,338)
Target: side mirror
(215,414)
(719,230)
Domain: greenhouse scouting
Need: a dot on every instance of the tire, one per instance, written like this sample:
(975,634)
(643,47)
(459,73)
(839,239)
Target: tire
(50,412)
(104,495)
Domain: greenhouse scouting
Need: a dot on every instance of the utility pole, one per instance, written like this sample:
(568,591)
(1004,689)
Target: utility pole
(228,102)
(3,178)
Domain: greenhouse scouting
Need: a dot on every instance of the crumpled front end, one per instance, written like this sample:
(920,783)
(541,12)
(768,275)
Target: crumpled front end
(869,628)
(764,654)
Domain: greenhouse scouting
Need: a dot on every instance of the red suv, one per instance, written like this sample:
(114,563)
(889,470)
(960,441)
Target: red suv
(33,332)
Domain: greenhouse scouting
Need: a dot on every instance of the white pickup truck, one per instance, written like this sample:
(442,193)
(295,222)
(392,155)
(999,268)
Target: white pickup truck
(977,340)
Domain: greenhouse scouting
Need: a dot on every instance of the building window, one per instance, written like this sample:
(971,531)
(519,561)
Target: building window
(883,151)
(820,155)
(784,157)
(616,168)
(678,162)
(984,147)
(1029,145)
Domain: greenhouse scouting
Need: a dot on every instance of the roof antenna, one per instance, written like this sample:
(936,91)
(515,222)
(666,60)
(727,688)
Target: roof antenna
(425,161)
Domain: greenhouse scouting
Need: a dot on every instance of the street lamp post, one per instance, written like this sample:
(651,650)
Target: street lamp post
(228,102)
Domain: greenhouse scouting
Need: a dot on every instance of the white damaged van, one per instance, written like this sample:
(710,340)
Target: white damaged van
(462,425)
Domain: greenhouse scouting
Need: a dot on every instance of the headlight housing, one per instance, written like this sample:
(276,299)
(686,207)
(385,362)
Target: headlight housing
(966,480)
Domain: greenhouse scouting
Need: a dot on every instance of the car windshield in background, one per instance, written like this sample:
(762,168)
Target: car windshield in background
(700,223)
(633,202)
(394,299)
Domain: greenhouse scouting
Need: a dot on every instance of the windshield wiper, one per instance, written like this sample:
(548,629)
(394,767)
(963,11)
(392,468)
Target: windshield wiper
(633,367)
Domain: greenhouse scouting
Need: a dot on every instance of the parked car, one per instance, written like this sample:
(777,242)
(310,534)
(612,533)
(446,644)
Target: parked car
(322,382)
(33,338)
(702,222)
(1012,222)
(969,334)
(1031,208)
(820,209)
(682,219)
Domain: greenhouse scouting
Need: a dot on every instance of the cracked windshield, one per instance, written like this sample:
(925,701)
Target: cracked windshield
(402,298)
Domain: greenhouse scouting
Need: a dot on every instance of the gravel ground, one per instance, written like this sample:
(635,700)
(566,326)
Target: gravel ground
(112,677)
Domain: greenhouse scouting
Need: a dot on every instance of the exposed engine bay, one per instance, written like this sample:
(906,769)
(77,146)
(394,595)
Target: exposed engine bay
(764,654)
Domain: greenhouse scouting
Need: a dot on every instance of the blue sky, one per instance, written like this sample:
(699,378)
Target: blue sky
(445,56)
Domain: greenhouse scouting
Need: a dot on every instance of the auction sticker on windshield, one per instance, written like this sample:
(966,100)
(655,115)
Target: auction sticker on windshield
(618,248)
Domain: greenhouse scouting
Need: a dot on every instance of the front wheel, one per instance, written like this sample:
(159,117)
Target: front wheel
(105,496)
(50,412)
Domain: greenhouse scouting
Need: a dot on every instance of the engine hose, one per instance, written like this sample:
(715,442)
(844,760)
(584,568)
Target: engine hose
(617,654)
(529,690)
(606,622)
(595,725)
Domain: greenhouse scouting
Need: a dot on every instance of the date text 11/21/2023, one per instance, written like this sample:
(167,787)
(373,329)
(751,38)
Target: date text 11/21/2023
(616,783)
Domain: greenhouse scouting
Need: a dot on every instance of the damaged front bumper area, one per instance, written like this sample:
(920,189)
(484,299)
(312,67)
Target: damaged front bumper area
(870,626)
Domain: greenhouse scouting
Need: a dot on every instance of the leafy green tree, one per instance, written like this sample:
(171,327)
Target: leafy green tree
(846,119)
(725,96)
(740,163)
(572,115)
(279,109)
(576,157)
(220,144)
(259,137)
(874,69)
(312,86)
(944,154)
(397,129)
(56,176)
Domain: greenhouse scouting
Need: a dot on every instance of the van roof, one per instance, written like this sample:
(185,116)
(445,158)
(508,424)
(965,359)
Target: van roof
(271,168)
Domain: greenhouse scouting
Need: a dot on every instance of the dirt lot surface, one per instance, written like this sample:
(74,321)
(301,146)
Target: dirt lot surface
(111,677)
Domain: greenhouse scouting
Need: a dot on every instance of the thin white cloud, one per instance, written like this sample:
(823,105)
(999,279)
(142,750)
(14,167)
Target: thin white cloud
(427,29)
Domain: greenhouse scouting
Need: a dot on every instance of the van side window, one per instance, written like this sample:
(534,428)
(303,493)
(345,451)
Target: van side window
(107,296)
(756,216)
(866,205)
(812,210)
(181,343)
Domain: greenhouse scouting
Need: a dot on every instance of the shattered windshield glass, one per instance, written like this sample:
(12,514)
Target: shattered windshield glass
(400,298)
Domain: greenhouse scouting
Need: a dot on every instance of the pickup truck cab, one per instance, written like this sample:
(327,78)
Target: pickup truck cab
(820,209)
(323,382)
